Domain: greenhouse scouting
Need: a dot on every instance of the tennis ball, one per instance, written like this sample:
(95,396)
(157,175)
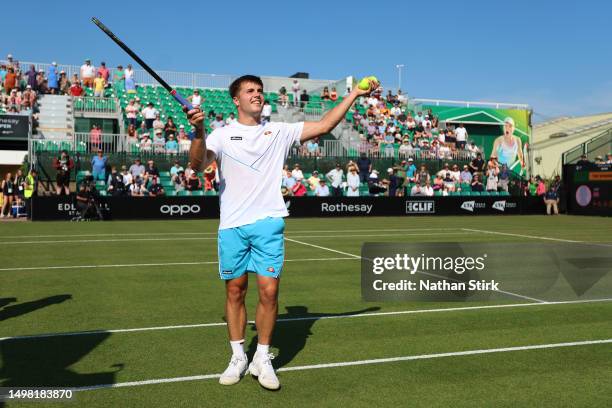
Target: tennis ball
(364,84)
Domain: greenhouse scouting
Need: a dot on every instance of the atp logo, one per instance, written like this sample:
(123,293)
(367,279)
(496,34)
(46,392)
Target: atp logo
(468,206)
(499,205)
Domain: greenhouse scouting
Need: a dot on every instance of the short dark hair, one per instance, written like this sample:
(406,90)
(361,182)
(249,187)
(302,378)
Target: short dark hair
(235,85)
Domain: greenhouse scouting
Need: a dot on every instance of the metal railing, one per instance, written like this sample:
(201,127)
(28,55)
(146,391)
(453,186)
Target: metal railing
(470,104)
(600,145)
(92,104)
(338,148)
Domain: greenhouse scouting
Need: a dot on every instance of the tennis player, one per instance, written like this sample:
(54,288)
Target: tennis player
(250,156)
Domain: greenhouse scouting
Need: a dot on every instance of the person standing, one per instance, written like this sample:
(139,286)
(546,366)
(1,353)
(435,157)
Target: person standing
(335,178)
(8,193)
(88,73)
(30,190)
(53,78)
(295,91)
(251,231)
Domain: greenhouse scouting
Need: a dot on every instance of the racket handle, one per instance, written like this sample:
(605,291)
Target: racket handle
(179,98)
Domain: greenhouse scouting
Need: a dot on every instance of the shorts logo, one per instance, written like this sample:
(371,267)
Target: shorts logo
(227,272)
(236,138)
(270,269)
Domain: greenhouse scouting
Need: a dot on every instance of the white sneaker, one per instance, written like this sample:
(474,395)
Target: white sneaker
(235,370)
(261,367)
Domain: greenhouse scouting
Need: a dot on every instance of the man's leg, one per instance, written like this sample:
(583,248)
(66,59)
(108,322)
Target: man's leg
(548,204)
(267,308)
(235,310)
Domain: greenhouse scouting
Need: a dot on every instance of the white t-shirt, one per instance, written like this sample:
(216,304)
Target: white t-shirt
(250,160)
(460,134)
(149,113)
(88,71)
(196,100)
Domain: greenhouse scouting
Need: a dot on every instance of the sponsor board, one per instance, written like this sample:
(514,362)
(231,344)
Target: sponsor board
(420,207)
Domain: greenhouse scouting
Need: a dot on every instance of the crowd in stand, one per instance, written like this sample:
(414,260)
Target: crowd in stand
(19,90)
(384,122)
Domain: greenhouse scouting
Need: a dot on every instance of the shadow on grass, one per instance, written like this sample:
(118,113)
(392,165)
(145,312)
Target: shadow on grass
(28,307)
(47,361)
(290,337)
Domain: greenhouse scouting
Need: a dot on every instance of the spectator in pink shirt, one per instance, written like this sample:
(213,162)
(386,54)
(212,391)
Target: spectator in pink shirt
(104,71)
(130,112)
(95,138)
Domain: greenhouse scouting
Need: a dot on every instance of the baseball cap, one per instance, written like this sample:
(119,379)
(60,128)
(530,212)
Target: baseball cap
(29,87)
(9,56)
(182,127)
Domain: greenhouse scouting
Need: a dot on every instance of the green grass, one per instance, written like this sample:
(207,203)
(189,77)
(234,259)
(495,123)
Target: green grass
(123,297)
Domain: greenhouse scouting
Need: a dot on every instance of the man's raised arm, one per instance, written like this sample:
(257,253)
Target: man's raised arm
(334,116)
(199,157)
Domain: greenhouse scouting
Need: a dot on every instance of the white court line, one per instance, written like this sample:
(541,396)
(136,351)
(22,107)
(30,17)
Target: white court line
(296,319)
(357,363)
(215,233)
(86,241)
(510,234)
(33,268)
(425,273)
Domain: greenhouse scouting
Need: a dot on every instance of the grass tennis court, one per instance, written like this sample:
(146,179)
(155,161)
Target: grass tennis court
(149,296)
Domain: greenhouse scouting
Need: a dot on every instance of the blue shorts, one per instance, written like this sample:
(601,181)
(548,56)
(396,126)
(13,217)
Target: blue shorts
(257,247)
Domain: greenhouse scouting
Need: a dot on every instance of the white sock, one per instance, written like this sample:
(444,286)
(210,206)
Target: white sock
(263,348)
(237,347)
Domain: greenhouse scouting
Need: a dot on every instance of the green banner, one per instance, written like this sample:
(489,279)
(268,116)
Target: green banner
(503,133)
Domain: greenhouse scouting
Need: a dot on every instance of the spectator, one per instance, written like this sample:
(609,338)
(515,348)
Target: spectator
(583,161)
(142,130)
(476,183)
(8,194)
(289,181)
(364,164)
(325,94)
(423,176)
(171,145)
(231,119)
(283,99)
(99,84)
(609,158)
(298,189)
(179,180)
(465,176)
(119,78)
(95,138)
(131,111)
(126,175)
(295,90)
(504,178)
(438,182)
(375,186)
(477,165)
(130,85)
(188,170)
(541,187)
(217,123)
(146,145)
(150,114)
(427,190)
(266,112)
(169,127)
(445,169)
(64,165)
(176,168)
(322,190)
(184,142)
(10,81)
(418,190)
(449,182)
(455,173)
(98,166)
(335,178)
(31,75)
(195,99)
(353,181)
(156,189)
(297,173)
(88,73)
(150,171)
(313,180)
(473,150)
(304,98)
(211,177)
(76,89)
(394,182)
(137,169)
(461,136)
(116,184)
(64,84)
(333,95)
(137,188)
(104,72)
(12,62)
(312,148)
(159,142)
(193,182)
(158,124)
(52,78)
(551,199)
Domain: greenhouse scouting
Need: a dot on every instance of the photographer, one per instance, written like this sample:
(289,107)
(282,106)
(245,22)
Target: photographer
(64,165)
(87,200)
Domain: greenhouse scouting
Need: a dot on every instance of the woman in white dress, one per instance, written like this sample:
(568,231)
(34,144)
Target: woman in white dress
(352,179)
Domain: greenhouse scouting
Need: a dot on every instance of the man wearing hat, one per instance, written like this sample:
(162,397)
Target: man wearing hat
(313,180)
(149,113)
(88,73)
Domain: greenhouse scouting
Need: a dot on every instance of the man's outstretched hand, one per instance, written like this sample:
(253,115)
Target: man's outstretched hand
(374,84)
(196,117)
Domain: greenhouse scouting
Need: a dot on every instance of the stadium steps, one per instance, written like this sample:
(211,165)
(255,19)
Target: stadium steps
(55,120)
